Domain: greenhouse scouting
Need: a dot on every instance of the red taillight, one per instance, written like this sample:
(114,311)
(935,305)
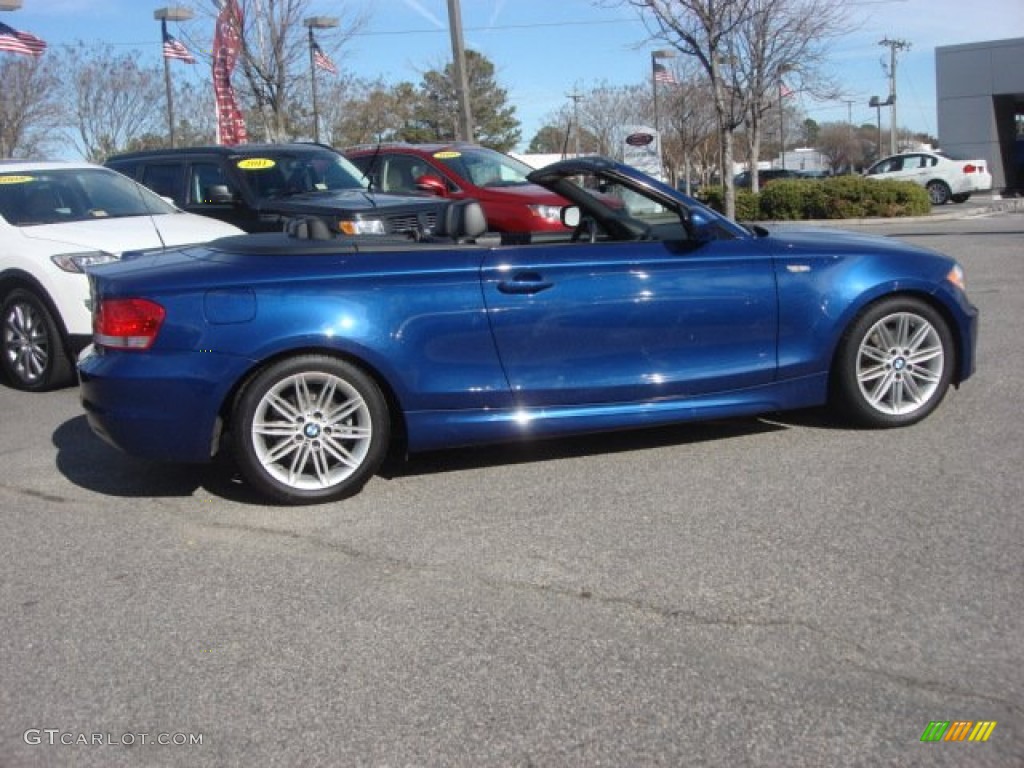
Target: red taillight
(969,168)
(127,323)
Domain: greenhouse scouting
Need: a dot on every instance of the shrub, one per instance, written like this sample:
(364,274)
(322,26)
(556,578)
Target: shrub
(747,204)
(841,197)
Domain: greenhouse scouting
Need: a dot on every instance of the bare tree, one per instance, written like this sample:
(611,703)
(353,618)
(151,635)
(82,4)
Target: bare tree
(840,144)
(605,109)
(783,39)
(689,135)
(274,60)
(708,31)
(110,98)
(29,106)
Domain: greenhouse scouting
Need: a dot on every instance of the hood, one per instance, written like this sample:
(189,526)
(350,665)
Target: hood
(826,239)
(132,233)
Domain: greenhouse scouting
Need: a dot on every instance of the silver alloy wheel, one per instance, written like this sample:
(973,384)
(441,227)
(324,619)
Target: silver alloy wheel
(311,431)
(26,342)
(900,364)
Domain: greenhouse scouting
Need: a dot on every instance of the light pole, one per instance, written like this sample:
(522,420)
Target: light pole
(163,15)
(316,22)
(659,73)
(7,5)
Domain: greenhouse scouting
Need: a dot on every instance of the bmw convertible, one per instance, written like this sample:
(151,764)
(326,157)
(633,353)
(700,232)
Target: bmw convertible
(310,356)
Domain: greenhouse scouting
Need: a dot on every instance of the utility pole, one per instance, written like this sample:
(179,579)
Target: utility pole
(893,45)
(576,97)
(461,76)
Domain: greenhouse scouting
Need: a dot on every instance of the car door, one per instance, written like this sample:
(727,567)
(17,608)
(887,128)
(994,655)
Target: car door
(587,323)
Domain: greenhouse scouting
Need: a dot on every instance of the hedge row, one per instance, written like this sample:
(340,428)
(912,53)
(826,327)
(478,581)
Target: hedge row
(840,197)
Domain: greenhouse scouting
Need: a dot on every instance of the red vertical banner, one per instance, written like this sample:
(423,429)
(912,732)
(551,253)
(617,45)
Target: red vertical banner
(227,43)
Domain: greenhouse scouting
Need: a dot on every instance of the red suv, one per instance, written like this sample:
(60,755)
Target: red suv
(457,171)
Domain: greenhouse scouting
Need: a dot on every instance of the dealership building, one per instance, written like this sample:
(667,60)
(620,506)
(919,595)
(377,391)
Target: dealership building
(980,101)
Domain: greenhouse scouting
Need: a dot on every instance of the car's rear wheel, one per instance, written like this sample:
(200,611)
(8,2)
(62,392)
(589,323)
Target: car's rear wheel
(310,429)
(33,354)
(895,364)
(939,192)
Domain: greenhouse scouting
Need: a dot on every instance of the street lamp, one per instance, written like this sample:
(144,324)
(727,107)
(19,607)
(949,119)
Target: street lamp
(316,22)
(163,15)
(659,74)
(878,115)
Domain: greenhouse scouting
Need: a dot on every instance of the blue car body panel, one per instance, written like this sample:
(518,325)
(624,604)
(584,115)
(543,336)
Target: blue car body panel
(474,343)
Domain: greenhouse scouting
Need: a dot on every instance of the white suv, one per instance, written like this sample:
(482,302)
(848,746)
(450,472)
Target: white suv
(57,219)
(945,179)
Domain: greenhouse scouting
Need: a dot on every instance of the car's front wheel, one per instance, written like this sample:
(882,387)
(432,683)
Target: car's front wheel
(894,365)
(310,429)
(939,192)
(33,355)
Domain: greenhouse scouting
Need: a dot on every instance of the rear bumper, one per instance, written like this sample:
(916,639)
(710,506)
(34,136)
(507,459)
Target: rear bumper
(141,403)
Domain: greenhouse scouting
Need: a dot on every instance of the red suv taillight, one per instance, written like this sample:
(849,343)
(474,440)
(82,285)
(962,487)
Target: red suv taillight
(127,323)
(969,168)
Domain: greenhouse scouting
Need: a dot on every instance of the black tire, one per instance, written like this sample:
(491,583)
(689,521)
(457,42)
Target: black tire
(939,192)
(961,198)
(33,351)
(310,429)
(894,364)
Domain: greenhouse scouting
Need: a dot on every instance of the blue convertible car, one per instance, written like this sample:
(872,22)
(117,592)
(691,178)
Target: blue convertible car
(310,354)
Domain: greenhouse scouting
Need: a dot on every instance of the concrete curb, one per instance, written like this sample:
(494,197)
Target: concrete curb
(998,205)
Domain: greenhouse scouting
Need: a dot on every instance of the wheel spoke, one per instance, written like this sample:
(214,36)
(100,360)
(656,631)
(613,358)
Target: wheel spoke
(882,389)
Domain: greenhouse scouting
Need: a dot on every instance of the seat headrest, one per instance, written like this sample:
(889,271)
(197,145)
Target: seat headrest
(309,228)
(461,220)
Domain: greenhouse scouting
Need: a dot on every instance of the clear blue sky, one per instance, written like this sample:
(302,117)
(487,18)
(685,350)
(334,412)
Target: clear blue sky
(543,49)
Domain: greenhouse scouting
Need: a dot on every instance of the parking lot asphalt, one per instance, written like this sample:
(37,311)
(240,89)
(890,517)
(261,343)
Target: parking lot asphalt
(778,591)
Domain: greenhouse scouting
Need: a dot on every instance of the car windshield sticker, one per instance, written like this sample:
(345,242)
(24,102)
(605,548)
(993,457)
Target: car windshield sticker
(256,164)
(16,179)
(447,155)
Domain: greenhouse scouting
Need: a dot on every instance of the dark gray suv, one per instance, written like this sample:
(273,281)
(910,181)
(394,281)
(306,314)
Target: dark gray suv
(260,187)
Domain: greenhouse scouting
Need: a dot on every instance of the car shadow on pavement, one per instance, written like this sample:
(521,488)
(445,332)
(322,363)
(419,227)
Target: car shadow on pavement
(88,462)
(85,460)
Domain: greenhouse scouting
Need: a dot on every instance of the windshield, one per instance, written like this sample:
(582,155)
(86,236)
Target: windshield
(282,173)
(29,198)
(485,167)
(625,199)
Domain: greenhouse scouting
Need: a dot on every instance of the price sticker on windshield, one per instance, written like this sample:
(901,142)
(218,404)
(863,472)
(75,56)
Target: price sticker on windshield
(447,155)
(256,163)
(16,179)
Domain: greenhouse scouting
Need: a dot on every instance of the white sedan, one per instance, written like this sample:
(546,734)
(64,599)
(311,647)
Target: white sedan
(945,179)
(56,220)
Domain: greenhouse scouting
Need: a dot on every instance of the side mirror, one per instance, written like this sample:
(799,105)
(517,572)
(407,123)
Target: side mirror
(432,185)
(219,194)
(701,227)
(570,216)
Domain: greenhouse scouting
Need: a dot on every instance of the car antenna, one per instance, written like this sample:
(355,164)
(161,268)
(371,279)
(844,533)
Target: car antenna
(368,174)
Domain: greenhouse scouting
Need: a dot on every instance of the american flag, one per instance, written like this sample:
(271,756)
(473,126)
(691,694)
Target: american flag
(13,41)
(663,74)
(323,60)
(175,49)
